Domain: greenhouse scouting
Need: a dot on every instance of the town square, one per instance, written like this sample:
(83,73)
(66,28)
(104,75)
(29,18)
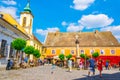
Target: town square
(59,40)
(44,73)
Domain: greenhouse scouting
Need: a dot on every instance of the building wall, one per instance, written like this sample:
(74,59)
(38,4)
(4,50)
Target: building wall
(107,51)
(107,55)
(7,35)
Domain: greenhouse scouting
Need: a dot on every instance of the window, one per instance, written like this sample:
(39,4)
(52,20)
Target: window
(62,52)
(81,51)
(1,15)
(24,22)
(101,51)
(92,51)
(112,51)
(53,51)
(72,51)
(30,22)
(11,51)
(3,47)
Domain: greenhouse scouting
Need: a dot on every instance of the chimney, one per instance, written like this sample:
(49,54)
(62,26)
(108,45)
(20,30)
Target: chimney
(57,32)
(96,31)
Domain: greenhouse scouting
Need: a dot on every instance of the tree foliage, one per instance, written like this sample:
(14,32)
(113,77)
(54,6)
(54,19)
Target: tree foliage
(36,53)
(18,43)
(69,56)
(95,54)
(29,50)
(84,56)
(62,57)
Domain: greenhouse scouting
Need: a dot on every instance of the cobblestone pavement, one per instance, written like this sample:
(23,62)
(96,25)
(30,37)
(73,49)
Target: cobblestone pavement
(44,73)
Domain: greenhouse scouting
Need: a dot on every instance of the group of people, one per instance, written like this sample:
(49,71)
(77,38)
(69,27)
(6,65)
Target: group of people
(93,64)
(24,63)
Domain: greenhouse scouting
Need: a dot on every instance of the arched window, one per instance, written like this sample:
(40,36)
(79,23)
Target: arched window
(24,22)
(30,22)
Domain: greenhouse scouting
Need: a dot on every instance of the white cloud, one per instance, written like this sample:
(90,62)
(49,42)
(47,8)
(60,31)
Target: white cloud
(81,4)
(10,10)
(9,2)
(74,28)
(95,21)
(114,29)
(44,32)
(64,23)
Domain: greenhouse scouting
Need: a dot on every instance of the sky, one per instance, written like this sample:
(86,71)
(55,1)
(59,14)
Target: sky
(68,15)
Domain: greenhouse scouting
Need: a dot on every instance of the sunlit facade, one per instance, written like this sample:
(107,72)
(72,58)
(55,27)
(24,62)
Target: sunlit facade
(89,42)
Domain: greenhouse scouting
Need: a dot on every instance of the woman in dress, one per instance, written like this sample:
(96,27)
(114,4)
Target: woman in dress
(100,67)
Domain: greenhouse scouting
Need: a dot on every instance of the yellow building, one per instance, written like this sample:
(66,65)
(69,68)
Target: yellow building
(12,30)
(88,42)
(26,21)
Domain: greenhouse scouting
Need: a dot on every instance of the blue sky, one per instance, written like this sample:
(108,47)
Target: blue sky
(68,15)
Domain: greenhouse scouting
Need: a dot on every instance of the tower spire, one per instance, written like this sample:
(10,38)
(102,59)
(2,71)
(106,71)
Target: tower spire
(28,1)
(27,8)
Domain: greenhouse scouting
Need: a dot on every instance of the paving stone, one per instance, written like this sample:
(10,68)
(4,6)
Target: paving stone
(44,73)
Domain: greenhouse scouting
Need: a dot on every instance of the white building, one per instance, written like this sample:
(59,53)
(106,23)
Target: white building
(9,30)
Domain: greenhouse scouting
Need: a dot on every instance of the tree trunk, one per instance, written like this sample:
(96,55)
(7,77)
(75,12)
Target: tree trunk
(17,54)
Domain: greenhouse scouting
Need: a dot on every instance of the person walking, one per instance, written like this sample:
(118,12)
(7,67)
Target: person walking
(53,65)
(100,67)
(81,64)
(107,65)
(91,66)
(69,65)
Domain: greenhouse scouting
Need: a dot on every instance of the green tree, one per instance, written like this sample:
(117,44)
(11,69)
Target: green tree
(62,57)
(29,50)
(36,53)
(84,56)
(95,54)
(18,44)
(69,56)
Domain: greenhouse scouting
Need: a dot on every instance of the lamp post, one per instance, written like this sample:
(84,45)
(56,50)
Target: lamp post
(77,50)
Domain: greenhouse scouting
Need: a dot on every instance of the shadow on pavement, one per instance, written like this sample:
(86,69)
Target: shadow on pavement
(115,76)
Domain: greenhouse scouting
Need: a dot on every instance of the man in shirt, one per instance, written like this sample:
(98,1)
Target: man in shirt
(91,66)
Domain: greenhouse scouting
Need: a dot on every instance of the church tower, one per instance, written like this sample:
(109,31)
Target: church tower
(26,19)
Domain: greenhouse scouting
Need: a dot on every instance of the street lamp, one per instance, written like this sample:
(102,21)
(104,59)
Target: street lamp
(77,50)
